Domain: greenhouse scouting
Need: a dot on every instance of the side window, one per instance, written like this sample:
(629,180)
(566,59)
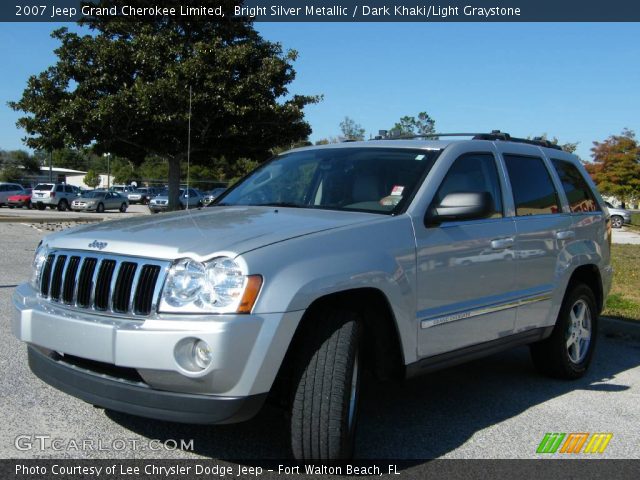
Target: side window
(473,172)
(533,190)
(68,189)
(59,188)
(579,195)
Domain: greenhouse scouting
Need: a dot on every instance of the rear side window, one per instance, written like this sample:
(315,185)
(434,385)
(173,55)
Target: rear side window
(533,190)
(473,172)
(579,195)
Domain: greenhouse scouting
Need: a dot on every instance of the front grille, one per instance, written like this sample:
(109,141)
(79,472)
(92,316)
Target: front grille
(102,282)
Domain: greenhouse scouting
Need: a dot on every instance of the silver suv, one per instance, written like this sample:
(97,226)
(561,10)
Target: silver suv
(323,262)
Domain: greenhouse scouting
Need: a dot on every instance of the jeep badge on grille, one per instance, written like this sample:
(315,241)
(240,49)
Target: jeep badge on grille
(98,245)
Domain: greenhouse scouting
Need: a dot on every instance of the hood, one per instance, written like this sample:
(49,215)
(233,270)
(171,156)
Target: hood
(201,233)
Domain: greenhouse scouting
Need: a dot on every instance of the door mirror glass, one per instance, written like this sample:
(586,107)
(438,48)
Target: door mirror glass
(461,206)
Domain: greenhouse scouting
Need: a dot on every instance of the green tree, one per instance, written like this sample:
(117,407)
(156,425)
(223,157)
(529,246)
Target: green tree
(125,88)
(616,166)
(92,179)
(423,124)
(15,165)
(351,130)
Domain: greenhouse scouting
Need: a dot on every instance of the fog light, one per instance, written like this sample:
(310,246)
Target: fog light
(201,354)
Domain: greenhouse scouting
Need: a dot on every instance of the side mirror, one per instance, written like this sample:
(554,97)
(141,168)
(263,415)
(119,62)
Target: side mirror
(460,206)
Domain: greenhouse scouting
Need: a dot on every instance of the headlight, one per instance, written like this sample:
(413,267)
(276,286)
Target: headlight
(38,262)
(217,286)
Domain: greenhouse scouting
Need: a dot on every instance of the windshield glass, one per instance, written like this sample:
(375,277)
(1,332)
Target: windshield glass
(93,195)
(376,180)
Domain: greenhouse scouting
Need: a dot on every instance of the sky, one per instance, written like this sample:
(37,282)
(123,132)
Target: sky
(579,82)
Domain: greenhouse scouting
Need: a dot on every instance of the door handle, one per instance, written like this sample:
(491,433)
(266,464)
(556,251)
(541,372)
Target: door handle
(502,243)
(565,235)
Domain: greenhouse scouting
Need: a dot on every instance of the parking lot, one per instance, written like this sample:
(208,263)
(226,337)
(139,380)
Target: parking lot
(498,407)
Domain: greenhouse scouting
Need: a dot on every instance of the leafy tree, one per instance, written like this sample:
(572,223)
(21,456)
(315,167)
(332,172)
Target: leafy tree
(16,165)
(92,179)
(351,130)
(125,88)
(616,166)
(422,125)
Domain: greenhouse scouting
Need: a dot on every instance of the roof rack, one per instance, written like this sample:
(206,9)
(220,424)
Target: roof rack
(494,135)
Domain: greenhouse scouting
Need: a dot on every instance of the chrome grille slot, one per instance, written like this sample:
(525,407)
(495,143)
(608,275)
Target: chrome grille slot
(69,282)
(109,284)
(122,290)
(144,292)
(103,284)
(56,278)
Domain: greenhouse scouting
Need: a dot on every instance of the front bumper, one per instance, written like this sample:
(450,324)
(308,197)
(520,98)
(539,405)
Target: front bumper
(139,399)
(247,353)
(85,207)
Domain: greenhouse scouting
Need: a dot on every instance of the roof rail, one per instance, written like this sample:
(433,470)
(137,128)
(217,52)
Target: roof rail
(494,135)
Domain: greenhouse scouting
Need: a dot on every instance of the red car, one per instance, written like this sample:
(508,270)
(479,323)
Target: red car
(21,200)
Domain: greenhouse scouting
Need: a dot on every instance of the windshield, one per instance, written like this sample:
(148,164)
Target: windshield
(376,180)
(44,186)
(93,195)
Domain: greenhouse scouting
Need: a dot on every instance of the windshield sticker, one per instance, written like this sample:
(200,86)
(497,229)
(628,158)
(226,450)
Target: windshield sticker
(397,190)
(419,157)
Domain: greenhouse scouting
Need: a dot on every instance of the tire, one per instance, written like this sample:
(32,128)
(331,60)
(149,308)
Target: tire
(100,208)
(617,221)
(568,351)
(326,387)
(41,206)
(63,205)
(123,208)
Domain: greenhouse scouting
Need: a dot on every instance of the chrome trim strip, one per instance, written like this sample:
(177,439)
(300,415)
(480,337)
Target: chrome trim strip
(112,286)
(134,287)
(74,299)
(439,320)
(94,281)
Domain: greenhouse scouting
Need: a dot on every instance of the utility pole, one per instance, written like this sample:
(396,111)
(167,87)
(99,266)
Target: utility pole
(50,166)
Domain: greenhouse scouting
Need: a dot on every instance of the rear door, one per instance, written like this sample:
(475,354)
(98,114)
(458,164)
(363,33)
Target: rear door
(465,269)
(543,229)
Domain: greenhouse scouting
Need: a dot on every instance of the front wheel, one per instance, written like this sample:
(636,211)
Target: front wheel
(100,208)
(123,207)
(617,221)
(326,388)
(568,351)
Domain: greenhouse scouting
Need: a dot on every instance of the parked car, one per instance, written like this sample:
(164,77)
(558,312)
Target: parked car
(211,195)
(54,195)
(324,262)
(146,194)
(7,190)
(619,216)
(97,201)
(160,203)
(20,200)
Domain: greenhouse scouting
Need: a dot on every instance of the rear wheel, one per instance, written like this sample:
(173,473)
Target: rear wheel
(100,208)
(326,387)
(617,221)
(568,351)
(123,207)
(63,205)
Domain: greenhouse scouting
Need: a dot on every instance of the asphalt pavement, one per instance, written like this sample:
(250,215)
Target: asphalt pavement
(497,407)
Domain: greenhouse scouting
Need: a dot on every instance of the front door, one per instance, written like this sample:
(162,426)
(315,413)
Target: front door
(466,268)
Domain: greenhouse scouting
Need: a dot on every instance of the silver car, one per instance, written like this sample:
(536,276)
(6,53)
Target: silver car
(619,216)
(190,198)
(99,201)
(324,262)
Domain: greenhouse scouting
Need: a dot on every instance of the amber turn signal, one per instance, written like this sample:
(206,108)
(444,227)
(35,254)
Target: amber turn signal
(254,283)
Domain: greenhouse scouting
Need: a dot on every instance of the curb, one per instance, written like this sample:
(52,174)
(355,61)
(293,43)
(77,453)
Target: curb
(619,328)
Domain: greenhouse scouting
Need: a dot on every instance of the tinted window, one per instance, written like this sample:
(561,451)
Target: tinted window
(533,190)
(68,189)
(44,187)
(475,172)
(579,195)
